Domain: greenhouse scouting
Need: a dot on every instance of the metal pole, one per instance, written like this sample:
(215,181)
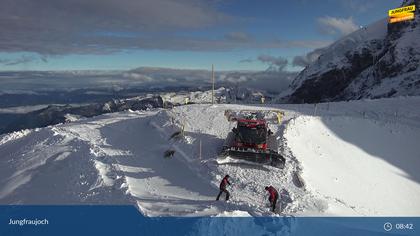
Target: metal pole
(200,149)
(183,129)
(212,79)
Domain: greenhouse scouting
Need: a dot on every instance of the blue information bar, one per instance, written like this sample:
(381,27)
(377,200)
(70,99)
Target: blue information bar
(127,220)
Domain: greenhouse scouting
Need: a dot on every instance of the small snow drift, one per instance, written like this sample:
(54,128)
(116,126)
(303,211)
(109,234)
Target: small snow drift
(360,166)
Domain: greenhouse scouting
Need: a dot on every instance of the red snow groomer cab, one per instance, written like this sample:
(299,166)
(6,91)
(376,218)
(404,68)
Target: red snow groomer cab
(251,140)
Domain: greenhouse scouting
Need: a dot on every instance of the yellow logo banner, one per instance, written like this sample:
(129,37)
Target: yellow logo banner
(401,11)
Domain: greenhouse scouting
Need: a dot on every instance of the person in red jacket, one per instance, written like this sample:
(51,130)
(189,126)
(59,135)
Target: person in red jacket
(273,197)
(222,187)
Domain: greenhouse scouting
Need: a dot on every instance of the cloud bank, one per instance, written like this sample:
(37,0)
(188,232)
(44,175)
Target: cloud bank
(61,27)
(145,78)
(274,63)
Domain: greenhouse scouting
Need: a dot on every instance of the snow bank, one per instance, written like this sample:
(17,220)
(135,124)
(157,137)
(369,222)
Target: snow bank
(359,166)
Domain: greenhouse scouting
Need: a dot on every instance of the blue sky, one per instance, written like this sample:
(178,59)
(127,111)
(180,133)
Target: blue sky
(125,34)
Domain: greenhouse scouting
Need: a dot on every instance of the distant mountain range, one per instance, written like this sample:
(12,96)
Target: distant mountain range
(54,114)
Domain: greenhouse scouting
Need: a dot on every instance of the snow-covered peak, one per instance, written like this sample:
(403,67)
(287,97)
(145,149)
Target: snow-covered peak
(379,60)
(334,55)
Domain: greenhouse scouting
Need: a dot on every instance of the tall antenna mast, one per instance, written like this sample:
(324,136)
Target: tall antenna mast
(212,80)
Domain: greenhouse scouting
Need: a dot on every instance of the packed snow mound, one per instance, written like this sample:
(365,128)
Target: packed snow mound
(369,167)
(380,60)
(119,158)
(347,153)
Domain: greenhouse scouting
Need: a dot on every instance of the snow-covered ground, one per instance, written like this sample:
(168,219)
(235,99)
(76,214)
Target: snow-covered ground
(356,158)
(360,166)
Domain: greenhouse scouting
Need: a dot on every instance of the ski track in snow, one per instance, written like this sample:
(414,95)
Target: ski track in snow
(118,159)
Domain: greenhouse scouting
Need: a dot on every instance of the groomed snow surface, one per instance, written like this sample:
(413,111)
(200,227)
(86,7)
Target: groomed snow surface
(358,158)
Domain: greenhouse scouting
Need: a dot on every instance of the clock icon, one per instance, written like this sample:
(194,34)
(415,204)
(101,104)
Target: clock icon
(387,226)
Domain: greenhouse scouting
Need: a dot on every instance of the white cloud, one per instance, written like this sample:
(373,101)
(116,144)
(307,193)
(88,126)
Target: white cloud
(21,60)
(308,58)
(337,26)
(238,36)
(138,77)
(274,63)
